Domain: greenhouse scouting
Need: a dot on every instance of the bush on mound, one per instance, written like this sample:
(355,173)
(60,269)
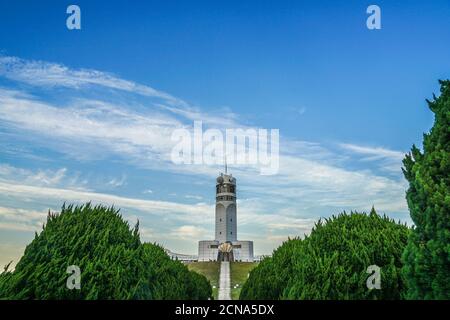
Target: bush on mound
(172,280)
(269,279)
(331,262)
(114,263)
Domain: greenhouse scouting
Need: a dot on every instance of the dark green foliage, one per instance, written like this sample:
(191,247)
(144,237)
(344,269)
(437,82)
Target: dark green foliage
(427,255)
(5,278)
(114,263)
(198,287)
(274,271)
(171,279)
(331,262)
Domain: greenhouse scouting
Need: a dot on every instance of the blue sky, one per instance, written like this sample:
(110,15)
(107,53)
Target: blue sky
(87,114)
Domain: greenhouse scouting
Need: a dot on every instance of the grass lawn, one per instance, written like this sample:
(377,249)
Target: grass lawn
(239,274)
(211,271)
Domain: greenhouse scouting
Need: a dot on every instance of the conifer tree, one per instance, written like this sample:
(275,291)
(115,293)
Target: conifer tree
(427,255)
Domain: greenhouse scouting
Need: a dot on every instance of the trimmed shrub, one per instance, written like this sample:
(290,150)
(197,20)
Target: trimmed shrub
(271,276)
(114,263)
(331,262)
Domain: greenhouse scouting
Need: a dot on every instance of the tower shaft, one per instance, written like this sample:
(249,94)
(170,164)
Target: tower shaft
(226,210)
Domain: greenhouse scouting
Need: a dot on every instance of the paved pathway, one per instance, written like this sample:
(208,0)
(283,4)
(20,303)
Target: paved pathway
(224,282)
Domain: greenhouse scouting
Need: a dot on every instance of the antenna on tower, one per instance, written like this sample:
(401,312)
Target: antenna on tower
(226,166)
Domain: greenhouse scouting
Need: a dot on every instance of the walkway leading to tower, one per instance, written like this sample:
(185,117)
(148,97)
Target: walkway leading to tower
(224,281)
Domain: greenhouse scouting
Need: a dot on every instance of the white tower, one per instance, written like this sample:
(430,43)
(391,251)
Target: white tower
(225,247)
(226,220)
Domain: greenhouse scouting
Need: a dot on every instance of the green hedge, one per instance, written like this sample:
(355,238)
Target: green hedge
(331,262)
(269,279)
(114,263)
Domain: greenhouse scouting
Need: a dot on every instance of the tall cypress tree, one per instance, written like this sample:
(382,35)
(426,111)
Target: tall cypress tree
(427,256)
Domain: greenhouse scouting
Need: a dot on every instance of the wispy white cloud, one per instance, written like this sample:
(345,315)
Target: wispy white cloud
(195,197)
(388,160)
(306,169)
(190,212)
(188,232)
(374,153)
(47,74)
(22,215)
(41,177)
(117,182)
(148,138)
(313,180)
(223,118)
(90,124)
(16,226)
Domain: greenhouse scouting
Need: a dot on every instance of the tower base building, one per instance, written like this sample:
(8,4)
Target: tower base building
(208,250)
